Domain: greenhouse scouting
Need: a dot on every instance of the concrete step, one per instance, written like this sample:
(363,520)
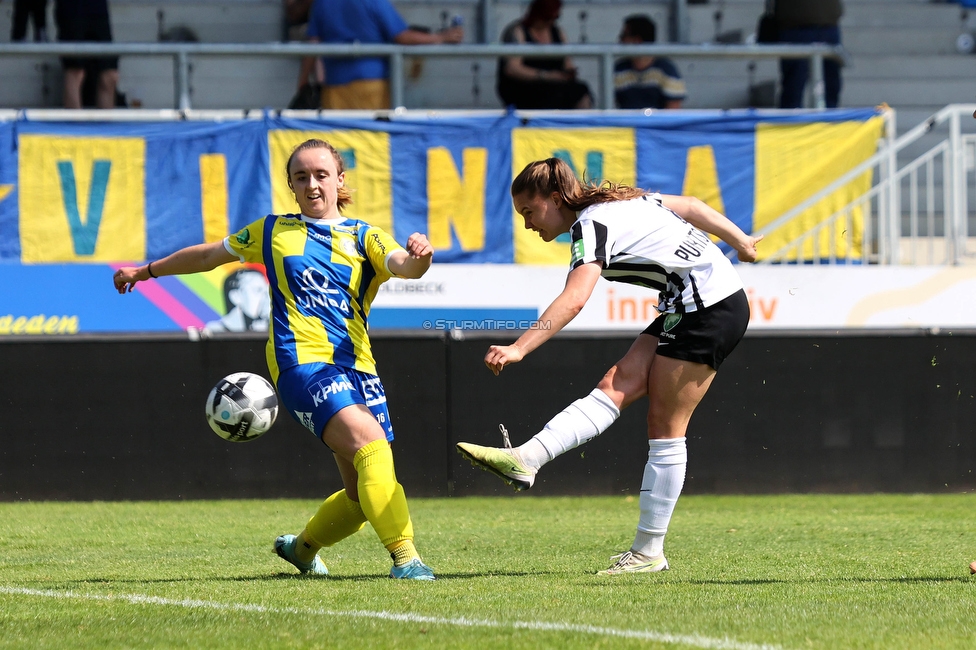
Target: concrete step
(706,70)
(30,82)
(218,21)
(215,82)
(901,68)
(900,39)
(884,14)
(920,92)
(706,20)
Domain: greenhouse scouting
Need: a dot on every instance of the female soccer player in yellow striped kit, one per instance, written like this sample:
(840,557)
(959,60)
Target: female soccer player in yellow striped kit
(324,271)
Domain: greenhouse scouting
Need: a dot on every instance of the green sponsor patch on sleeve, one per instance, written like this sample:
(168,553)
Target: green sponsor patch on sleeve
(577,250)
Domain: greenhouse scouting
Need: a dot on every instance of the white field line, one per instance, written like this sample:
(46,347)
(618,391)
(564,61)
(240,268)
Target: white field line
(693,640)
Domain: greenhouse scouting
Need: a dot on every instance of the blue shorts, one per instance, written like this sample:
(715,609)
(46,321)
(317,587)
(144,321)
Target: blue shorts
(313,392)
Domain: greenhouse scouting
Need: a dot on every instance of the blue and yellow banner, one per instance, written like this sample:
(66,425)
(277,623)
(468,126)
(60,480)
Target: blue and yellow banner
(107,193)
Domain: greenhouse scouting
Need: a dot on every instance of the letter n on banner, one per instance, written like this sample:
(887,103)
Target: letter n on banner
(81,199)
(594,154)
(451,211)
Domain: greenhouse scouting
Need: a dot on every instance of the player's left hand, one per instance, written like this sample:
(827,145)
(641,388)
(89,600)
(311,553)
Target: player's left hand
(418,246)
(748,252)
(500,356)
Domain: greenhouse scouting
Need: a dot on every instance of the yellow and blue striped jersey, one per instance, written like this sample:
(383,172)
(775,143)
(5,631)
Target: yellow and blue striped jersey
(323,276)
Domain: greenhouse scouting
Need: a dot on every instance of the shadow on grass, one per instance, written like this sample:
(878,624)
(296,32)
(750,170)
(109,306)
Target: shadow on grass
(275,577)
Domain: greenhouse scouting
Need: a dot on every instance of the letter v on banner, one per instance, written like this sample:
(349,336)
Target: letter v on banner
(83,199)
(84,235)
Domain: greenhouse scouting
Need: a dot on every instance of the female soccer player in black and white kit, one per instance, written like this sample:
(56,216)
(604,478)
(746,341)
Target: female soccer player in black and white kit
(629,235)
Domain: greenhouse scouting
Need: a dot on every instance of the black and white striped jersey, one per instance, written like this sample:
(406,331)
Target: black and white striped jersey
(642,242)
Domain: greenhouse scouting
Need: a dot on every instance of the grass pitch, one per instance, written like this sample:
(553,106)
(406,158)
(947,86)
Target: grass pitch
(879,571)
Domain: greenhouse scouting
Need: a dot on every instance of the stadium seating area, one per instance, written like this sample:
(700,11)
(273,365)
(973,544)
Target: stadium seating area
(902,52)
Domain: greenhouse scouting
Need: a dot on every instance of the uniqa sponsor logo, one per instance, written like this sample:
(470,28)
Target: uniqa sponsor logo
(316,292)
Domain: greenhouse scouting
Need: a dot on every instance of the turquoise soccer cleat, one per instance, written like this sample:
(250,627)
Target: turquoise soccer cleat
(284,546)
(413,570)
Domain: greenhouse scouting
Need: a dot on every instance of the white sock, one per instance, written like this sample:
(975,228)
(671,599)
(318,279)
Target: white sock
(579,422)
(664,476)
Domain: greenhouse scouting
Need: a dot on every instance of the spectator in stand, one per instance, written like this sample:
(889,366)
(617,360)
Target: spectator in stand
(645,81)
(540,82)
(361,83)
(82,21)
(36,11)
(807,21)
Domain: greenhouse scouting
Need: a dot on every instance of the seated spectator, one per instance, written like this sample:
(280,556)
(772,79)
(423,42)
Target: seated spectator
(361,83)
(82,22)
(540,82)
(645,81)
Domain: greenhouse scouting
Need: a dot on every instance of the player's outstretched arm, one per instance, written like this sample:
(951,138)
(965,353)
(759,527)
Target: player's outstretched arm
(579,287)
(192,259)
(414,261)
(704,217)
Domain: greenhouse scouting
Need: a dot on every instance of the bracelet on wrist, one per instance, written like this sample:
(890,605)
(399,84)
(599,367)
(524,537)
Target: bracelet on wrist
(149,268)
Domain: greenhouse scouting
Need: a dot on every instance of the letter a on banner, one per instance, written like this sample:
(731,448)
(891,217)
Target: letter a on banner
(701,177)
(81,199)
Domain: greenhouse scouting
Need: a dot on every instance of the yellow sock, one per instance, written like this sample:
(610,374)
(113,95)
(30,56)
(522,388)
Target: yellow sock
(337,518)
(403,552)
(380,495)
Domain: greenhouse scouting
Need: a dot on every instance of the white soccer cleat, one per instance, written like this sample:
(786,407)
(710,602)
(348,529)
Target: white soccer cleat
(632,562)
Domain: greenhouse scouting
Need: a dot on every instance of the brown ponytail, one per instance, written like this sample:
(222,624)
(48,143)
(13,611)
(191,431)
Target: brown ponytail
(543,177)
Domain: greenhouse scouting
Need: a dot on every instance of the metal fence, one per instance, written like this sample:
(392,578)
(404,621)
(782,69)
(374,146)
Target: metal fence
(919,208)
(183,53)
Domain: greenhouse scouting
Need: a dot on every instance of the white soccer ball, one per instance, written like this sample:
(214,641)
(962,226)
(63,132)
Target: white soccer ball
(242,407)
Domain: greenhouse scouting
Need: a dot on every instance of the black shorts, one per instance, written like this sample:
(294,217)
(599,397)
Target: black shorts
(705,336)
(87,29)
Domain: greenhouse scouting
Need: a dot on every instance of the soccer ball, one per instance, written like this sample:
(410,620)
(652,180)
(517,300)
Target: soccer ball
(242,407)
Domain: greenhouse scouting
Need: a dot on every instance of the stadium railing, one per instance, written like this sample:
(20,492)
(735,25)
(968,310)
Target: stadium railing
(606,54)
(917,210)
